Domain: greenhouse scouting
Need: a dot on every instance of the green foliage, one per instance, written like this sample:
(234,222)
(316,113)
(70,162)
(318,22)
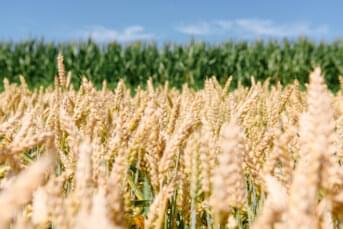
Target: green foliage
(282,61)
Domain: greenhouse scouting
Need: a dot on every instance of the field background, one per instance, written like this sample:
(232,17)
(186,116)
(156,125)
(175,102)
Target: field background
(279,61)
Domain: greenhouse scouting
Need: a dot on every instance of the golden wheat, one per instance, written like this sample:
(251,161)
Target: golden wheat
(260,157)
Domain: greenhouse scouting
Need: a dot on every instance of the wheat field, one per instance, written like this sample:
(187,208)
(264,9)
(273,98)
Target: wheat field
(259,157)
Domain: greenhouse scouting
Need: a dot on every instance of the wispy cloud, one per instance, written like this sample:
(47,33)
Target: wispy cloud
(104,34)
(247,27)
(202,28)
(270,28)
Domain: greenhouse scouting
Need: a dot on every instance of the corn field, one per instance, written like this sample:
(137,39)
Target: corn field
(278,61)
(267,156)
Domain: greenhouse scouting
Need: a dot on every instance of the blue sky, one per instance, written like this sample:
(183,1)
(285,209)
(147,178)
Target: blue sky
(173,20)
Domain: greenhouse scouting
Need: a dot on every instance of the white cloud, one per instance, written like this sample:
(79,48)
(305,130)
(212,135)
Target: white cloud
(223,24)
(253,27)
(270,28)
(202,28)
(103,34)
(205,28)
